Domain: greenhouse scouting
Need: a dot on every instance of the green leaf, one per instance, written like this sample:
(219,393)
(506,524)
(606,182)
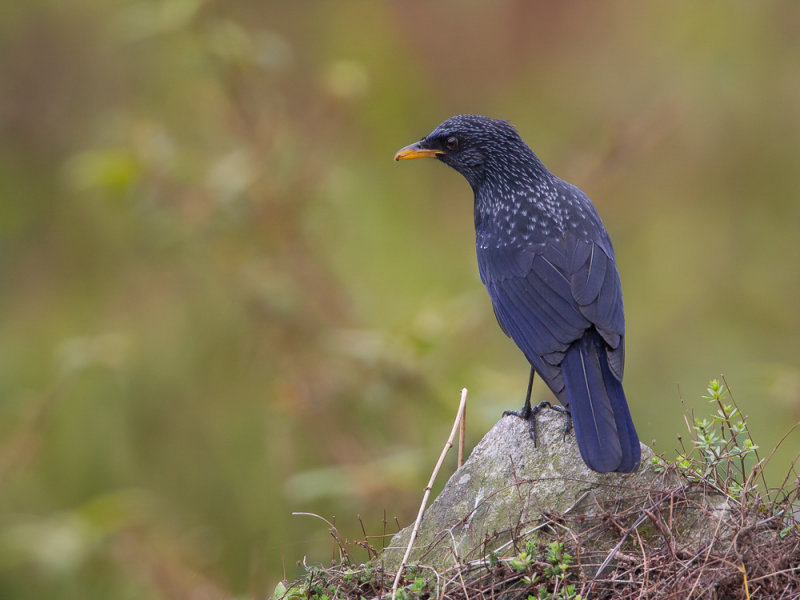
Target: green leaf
(521,562)
(297,592)
(280,590)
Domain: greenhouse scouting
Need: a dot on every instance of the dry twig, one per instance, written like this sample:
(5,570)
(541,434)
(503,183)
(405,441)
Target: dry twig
(459,417)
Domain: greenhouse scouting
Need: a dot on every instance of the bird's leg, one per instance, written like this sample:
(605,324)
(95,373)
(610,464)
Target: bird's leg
(529,412)
(525,411)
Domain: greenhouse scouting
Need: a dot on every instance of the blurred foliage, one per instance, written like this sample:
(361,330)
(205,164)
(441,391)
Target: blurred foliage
(223,302)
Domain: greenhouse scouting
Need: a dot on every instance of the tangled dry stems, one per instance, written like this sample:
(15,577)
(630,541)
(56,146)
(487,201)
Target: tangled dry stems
(745,557)
(744,544)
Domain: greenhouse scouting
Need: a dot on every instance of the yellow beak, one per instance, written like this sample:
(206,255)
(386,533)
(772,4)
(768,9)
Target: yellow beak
(415,151)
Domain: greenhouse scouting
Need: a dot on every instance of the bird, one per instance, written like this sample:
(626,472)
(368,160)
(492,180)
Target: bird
(547,262)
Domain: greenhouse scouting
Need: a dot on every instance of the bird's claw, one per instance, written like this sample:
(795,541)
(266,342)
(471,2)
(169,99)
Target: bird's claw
(529,413)
(523,413)
(563,411)
(567,425)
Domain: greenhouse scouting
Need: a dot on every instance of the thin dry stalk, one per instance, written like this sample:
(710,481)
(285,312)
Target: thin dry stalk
(462,434)
(459,417)
(340,542)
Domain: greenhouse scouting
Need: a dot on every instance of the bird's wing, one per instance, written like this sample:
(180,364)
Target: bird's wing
(546,295)
(597,290)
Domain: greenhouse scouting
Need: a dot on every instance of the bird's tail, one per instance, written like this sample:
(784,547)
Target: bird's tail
(603,425)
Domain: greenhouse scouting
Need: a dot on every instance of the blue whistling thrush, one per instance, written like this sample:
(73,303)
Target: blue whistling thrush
(547,262)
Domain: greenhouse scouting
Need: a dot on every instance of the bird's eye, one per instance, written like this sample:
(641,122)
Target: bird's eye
(451,143)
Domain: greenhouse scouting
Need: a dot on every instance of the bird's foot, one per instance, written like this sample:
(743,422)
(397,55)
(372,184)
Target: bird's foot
(568,424)
(523,413)
(529,413)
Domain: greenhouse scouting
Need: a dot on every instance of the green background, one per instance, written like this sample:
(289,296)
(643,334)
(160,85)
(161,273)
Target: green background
(223,302)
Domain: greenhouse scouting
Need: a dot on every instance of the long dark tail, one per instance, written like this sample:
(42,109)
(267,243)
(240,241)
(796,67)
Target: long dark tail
(603,425)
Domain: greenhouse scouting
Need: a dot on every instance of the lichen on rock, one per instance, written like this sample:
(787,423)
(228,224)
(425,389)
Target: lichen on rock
(507,487)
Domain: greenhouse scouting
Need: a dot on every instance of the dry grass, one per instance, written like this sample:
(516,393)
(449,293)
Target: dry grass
(717,534)
(753,553)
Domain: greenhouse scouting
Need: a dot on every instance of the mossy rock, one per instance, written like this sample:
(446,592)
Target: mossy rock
(508,489)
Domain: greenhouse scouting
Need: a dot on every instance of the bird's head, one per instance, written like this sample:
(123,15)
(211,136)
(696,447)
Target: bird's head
(471,144)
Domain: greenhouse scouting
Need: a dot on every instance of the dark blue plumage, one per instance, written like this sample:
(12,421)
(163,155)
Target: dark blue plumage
(548,265)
